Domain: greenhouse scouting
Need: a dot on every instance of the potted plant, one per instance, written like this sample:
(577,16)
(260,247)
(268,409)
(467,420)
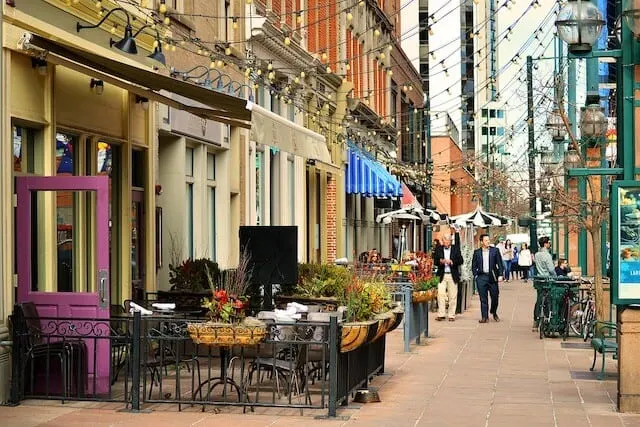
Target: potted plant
(319,284)
(191,281)
(226,309)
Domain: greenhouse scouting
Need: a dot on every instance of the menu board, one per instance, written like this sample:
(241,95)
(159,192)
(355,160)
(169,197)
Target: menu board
(625,232)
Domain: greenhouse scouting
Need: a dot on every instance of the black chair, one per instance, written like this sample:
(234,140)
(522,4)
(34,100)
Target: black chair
(48,358)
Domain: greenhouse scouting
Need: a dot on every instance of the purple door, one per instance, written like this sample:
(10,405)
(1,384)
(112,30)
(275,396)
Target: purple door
(72,293)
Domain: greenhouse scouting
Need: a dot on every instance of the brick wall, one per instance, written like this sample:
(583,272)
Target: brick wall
(331,219)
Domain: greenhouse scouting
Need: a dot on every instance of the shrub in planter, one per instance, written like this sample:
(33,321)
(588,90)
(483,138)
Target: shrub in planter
(194,275)
(322,281)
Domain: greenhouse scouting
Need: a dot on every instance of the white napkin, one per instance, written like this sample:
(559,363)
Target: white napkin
(164,305)
(133,307)
(299,308)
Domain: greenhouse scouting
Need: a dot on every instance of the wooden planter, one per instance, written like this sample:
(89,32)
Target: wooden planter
(356,334)
(224,334)
(398,319)
(385,321)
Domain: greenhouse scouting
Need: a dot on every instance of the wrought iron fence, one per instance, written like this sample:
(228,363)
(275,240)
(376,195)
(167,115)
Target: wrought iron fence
(144,361)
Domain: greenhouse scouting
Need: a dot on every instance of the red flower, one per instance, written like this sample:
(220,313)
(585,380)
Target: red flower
(238,305)
(221,295)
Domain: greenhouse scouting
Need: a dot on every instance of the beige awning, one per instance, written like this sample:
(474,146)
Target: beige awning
(217,106)
(275,131)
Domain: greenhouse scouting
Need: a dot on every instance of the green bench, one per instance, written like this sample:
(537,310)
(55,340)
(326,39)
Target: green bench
(603,344)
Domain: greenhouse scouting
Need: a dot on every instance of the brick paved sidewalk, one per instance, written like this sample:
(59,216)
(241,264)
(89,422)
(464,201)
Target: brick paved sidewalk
(468,374)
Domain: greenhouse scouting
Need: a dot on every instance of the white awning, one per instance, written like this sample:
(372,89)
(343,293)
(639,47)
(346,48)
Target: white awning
(275,131)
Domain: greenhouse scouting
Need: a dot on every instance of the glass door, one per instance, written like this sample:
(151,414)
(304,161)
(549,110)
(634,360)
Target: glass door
(63,258)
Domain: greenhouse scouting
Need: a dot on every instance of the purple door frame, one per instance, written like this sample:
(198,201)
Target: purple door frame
(70,305)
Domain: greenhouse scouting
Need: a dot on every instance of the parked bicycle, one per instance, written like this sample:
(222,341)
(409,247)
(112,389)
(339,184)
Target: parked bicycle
(555,308)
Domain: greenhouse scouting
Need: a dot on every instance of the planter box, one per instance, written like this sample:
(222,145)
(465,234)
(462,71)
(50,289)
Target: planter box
(224,334)
(328,304)
(355,334)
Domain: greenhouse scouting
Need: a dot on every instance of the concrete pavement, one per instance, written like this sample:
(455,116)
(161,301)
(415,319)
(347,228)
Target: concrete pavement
(467,374)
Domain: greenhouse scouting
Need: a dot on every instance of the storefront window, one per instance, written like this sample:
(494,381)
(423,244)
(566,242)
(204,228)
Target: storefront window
(64,154)
(211,187)
(292,191)
(259,188)
(23,149)
(188,162)
(274,185)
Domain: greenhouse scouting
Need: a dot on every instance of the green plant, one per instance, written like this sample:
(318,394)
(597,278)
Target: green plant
(194,275)
(427,284)
(317,281)
(358,303)
(378,295)
(226,308)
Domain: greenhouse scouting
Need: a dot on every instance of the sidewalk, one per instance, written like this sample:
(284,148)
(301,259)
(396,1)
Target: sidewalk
(468,374)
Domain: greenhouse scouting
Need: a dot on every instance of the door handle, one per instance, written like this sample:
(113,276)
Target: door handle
(103,288)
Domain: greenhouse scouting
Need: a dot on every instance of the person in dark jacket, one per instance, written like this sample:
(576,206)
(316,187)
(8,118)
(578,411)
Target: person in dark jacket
(487,271)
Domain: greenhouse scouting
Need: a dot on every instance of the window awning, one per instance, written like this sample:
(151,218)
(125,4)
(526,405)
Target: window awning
(275,131)
(146,83)
(368,177)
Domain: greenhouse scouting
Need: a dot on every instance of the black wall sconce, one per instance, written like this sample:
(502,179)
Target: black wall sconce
(97,86)
(156,56)
(40,65)
(144,102)
(127,44)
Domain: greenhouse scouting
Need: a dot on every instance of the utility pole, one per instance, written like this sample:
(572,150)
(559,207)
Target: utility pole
(532,158)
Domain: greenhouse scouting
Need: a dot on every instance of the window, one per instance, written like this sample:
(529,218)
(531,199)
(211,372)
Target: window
(484,130)
(492,114)
(291,112)
(500,114)
(188,171)
(275,102)
(274,185)
(211,203)
(492,130)
(188,162)
(500,131)
(259,167)
(23,149)
(189,219)
(484,112)
(292,190)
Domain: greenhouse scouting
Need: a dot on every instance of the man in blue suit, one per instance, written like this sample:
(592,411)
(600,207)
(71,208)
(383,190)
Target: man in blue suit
(487,271)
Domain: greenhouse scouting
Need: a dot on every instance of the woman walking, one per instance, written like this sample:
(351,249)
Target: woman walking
(525,260)
(507,257)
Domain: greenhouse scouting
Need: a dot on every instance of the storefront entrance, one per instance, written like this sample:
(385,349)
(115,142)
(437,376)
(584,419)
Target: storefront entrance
(62,250)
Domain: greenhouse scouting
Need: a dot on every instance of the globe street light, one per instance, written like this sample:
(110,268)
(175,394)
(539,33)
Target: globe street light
(571,158)
(555,126)
(579,24)
(631,15)
(593,122)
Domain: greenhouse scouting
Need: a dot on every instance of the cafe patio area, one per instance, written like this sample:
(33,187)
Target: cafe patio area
(466,374)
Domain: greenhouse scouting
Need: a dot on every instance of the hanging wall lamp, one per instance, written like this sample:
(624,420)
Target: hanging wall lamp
(127,44)
(97,86)
(157,57)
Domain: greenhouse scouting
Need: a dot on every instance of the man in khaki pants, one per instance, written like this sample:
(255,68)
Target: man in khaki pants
(448,258)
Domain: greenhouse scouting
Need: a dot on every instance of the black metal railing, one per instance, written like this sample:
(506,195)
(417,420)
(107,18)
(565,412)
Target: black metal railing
(141,361)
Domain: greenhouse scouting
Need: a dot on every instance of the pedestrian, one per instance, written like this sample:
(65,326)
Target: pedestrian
(563,268)
(544,269)
(487,271)
(525,261)
(507,257)
(448,259)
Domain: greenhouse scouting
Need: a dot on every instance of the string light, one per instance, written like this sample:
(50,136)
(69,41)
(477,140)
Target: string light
(349,16)
(270,66)
(162,8)
(287,41)
(234,23)
(299,17)
(98,5)
(227,51)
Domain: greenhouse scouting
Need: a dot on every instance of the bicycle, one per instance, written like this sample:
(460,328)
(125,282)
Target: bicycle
(555,309)
(582,314)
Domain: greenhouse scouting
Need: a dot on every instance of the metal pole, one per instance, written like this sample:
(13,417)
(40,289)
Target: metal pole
(333,365)
(428,161)
(135,362)
(532,159)
(571,107)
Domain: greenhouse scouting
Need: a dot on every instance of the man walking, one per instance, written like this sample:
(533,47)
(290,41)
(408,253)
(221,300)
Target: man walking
(448,259)
(487,270)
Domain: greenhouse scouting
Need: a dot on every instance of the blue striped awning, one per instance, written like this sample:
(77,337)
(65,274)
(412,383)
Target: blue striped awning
(368,177)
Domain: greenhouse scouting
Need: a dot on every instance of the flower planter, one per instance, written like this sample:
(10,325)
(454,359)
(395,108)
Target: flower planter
(419,296)
(356,334)
(399,312)
(385,321)
(224,334)
(327,303)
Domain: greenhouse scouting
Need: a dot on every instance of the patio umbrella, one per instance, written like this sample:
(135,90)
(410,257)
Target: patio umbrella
(479,218)
(413,213)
